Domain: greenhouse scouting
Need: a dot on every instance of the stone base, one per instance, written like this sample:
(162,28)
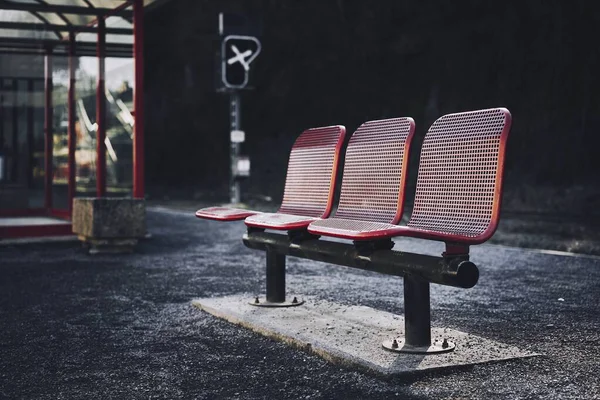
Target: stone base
(353,335)
(109,246)
(109,225)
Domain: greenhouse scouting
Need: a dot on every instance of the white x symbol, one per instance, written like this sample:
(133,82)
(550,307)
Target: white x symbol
(240,57)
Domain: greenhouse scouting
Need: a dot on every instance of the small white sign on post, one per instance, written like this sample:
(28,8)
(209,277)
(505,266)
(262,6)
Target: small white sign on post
(243,166)
(238,136)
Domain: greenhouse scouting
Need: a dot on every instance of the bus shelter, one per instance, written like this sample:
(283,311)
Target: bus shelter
(71,108)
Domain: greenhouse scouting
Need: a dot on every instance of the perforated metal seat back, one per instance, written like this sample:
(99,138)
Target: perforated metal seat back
(375,171)
(312,170)
(460,174)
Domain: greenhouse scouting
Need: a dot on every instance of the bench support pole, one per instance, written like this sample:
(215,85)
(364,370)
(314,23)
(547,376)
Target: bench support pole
(417,311)
(276,283)
(275,277)
(417,321)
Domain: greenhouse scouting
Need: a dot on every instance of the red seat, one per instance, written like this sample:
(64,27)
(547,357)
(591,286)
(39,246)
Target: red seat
(309,184)
(310,181)
(224,213)
(459,184)
(372,196)
(284,222)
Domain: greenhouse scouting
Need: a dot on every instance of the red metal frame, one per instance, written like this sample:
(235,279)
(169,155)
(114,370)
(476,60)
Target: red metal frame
(30,133)
(138,99)
(404,174)
(111,13)
(23,212)
(499,177)
(72,139)
(335,171)
(35,231)
(48,139)
(101,112)
(64,214)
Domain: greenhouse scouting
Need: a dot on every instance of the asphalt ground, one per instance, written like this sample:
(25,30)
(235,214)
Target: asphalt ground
(76,326)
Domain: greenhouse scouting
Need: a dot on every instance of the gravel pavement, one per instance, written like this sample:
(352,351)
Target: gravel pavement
(76,326)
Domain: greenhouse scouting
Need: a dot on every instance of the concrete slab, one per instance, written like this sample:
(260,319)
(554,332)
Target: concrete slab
(352,335)
(32,221)
(38,240)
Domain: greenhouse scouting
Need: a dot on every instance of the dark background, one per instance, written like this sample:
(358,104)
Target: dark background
(346,62)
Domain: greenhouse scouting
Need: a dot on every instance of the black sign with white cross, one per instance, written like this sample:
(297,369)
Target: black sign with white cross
(237,54)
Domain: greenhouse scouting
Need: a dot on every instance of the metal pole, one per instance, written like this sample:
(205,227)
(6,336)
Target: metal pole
(1,114)
(138,99)
(417,312)
(15,126)
(101,113)
(234,115)
(71,137)
(275,277)
(48,130)
(30,136)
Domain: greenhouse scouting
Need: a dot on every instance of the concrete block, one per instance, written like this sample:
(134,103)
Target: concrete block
(109,224)
(352,335)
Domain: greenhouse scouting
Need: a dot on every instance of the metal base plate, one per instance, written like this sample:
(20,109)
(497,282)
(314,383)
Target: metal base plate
(261,302)
(398,346)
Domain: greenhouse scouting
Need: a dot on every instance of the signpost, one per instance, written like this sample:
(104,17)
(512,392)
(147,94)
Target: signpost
(238,50)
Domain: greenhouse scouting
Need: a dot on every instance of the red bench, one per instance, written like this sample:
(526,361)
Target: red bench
(457,201)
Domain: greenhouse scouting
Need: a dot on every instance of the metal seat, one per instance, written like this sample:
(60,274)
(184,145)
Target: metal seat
(309,187)
(459,184)
(283,222)
(224,213)
(310,182)
(375,170)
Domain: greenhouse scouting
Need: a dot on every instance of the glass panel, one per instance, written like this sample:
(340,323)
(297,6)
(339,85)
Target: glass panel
(36,198)
(85,127)
(21,133)
(52,18)
(60,151)
(118,22)
(110,38)
(77,19)
(23,16)
(119,125)
(106,3)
